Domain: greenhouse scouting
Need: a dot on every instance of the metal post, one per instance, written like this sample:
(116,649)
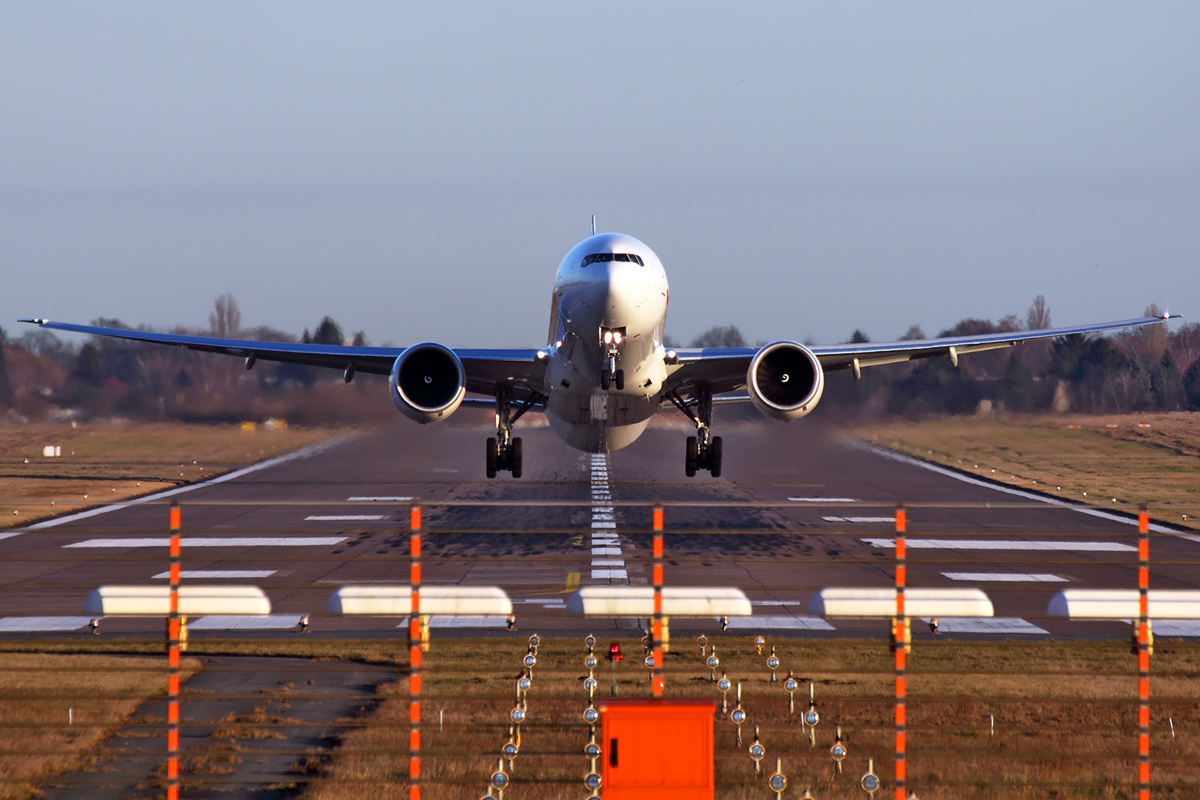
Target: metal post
(1143,653)
(901,580)
(414,656)
(656,630)
(175,517)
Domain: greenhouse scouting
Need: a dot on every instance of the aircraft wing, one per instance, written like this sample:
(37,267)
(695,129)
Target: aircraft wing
(724,368)
(485,369)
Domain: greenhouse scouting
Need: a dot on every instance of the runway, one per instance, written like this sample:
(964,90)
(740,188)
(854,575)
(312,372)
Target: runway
(798,508)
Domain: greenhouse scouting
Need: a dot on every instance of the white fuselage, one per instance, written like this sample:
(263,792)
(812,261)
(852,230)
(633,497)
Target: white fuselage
(623,293)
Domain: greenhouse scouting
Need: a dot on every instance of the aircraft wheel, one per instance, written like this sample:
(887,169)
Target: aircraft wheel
(514,456)
(620,380)
(605,380)
(690,453)
(714,457)
(491,458)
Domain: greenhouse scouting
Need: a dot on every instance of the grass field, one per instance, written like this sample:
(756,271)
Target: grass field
(104,463)
(58,708)
(1105,456)
(1064,713)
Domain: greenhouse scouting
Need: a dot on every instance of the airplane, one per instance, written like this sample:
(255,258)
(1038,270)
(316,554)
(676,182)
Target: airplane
(605,370)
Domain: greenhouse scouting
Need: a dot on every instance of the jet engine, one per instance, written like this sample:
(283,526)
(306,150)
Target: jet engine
(427,382)
(785,381)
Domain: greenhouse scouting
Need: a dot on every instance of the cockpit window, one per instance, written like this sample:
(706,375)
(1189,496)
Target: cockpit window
(595,257)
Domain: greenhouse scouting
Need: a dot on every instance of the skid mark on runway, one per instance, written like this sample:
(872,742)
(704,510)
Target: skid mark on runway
(605,540)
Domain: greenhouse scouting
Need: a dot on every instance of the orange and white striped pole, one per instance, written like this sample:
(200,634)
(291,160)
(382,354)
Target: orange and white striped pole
(656,630)
(1143,640)
(901,656)
(175,517)
(414,656)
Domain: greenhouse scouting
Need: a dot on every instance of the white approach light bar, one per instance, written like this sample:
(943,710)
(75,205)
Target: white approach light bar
(678,601)
(396,601)
(140,601)
(1123,604)
(868,602)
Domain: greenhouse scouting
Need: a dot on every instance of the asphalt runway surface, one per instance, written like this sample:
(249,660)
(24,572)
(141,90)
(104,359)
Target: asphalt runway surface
(799,507)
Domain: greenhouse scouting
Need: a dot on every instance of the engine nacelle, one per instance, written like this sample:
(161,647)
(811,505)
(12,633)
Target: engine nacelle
(427,382)
(785,381)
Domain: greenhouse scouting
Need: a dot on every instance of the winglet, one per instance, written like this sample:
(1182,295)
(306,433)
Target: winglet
(34,320)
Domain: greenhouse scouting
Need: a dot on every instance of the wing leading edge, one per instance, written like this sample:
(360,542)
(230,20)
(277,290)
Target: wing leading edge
(485,369)
(724,368)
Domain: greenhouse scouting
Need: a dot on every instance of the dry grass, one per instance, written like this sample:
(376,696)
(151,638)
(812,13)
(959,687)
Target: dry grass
(36,692)
(109,462)
(1065,719)
(1105,456)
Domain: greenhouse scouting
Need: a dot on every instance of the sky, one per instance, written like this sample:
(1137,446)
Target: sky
(417,171)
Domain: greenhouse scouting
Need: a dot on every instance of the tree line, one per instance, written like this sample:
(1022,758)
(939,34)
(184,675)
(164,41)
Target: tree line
(43,376)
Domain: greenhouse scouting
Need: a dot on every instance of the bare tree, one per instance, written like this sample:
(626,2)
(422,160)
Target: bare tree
(225,321)
(1038,316)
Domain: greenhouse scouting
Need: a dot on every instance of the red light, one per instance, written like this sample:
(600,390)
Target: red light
(614,652)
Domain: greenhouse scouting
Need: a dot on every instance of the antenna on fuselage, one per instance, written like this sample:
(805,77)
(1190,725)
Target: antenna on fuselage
(593,224)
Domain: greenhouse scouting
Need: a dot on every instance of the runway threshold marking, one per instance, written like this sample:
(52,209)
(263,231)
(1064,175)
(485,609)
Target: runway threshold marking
(1004,577)
(990,625)
(344,518)
(779,623)
(217,574)
(201,541)
(42,624)
(1005,544)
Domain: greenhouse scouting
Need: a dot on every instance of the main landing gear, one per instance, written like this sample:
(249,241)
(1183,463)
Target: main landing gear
(703,451)
(504,451)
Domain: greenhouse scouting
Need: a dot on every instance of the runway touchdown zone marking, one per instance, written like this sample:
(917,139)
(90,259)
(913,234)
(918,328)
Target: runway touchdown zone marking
(778,623)
(1003,544)
(266,622)
(200,541)
(1004,577)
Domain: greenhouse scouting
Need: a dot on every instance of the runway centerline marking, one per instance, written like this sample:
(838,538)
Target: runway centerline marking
(200,541)
(1004,577)
(1005,544)
(217,574)
(344,518)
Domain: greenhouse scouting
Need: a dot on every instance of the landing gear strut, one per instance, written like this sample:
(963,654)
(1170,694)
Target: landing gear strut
(703,451)
(504,451)
(611,376)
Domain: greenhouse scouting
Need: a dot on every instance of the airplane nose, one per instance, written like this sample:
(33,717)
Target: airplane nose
(625,289)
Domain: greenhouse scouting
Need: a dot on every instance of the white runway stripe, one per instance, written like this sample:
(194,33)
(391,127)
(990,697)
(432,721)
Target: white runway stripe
(265,622)
(1004,577)
(609,574)
(603,525)
(779,623)
(443,621)
(822,500)
(606,551)
(859,519)
(989,625)
(608,562)
(1006,544)
(231,541)
(36,624)
(217,574)
(1173,627)
(343,518)
(378,499)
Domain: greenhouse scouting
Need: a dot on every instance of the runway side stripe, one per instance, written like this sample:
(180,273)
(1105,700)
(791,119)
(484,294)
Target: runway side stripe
(303,452)
(1004,544)
(200,541)
(1004,577)
(822,500)
(859,520)
(1050,501)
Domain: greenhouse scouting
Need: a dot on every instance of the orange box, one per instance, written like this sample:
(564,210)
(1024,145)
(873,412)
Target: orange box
(661,749)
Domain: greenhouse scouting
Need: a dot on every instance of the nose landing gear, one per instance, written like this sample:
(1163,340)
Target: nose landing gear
(702,451)
(611,376)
